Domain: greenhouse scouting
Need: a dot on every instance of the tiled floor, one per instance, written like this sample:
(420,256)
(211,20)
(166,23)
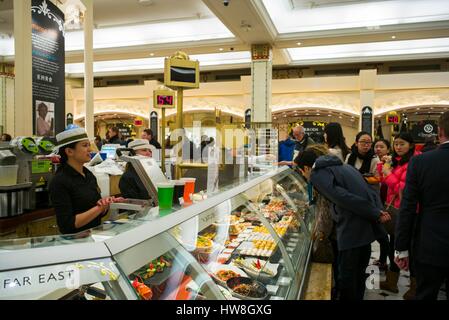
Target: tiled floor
(403,283)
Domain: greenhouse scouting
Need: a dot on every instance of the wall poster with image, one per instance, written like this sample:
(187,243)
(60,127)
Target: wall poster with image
(48,64)
(45,118)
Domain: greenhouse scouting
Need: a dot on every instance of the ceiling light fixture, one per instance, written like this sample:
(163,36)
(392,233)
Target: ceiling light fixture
(298,43)
(221,49)
(393,37)
(151,54)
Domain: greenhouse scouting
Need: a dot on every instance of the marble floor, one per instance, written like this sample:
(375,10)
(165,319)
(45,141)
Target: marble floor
(403,283)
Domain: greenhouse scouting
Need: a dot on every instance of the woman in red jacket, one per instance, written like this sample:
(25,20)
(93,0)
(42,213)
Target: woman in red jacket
(394,174)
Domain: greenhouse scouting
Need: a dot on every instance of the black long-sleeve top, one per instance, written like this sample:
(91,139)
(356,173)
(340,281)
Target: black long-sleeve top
(71,193)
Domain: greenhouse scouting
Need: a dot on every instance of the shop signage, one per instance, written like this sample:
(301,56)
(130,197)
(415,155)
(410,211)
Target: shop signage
(314,129)
(138,122)
(393,117)
(48,71)
(367,119)
(153,123)
(424,129)
(248,118)
(31,283)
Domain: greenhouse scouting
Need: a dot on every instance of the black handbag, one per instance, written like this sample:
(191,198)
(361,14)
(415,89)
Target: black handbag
(393,212)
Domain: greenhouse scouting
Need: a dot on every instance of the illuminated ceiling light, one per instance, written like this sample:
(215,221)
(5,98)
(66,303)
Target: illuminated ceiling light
(151,54)
(221,49)
(298,43)
(368,51)
(417,108)
(340,117)
(329,115)
(393,37)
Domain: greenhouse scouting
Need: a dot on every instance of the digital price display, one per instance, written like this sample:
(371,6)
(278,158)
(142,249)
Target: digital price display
(164,99)
(393,118)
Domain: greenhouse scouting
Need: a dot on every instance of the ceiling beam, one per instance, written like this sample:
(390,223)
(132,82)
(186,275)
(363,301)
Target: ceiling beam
(243,19)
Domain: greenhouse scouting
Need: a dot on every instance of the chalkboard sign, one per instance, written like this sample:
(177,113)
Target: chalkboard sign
(153,123)
(48,68)
(367,120)
(248,118)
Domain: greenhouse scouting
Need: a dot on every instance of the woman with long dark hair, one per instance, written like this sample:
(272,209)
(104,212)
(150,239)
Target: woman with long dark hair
(74,191)
(335,140)
(394,172)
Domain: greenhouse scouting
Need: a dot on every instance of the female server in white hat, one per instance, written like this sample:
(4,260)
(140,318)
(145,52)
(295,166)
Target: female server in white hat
(131,187)
(74,191)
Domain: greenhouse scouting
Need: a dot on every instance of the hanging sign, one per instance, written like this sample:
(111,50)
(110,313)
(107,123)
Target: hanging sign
(393,118)
(48,71)
(69,119)
(153,123)
(248,118)
(138,122)
(367,120)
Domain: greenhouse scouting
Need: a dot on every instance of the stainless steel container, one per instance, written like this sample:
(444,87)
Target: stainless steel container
(14,200)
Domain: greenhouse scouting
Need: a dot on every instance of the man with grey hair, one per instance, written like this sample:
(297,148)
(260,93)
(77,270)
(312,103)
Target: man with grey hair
(302,140)
(295,144)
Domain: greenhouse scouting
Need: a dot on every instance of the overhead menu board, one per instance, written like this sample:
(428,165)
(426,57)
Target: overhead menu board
(48,60)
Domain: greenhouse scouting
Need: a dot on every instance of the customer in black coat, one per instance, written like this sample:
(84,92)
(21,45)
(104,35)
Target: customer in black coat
(357,211)
(427,187)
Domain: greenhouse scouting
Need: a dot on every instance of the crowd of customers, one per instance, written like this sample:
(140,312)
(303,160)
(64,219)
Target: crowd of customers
(375,191)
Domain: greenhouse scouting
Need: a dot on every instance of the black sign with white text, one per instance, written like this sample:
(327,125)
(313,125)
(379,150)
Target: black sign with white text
(367,120)
(153,123)
(48,63)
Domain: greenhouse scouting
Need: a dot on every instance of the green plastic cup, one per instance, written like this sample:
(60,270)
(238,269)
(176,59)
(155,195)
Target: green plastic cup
(165,195)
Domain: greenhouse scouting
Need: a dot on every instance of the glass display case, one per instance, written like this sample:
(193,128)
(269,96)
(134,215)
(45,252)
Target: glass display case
(250,241)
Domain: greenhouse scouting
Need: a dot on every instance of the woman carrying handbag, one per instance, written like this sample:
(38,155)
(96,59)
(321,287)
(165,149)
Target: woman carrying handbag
(394,172)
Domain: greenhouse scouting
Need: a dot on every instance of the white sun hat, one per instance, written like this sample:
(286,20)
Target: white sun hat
(140,144)
(70,136)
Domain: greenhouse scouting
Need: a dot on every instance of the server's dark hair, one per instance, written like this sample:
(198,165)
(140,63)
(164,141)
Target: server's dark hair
(63,154)
(406,157)
(335,137)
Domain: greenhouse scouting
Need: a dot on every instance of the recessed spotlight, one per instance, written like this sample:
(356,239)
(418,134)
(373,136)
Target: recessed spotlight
(431,108)
(298,43)
(221,49)
(393,37)
(152,54)
(317,114)
(285,116)
(340,117)
(329,115)
(417,108)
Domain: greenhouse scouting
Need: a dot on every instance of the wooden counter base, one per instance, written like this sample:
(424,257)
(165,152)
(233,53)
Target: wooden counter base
(319,285)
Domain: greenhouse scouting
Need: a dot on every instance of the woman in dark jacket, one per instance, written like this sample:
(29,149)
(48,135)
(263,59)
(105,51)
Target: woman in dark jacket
(131,187)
